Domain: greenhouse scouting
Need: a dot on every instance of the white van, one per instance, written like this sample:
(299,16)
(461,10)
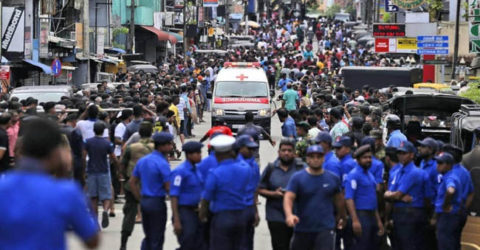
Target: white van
(240,87)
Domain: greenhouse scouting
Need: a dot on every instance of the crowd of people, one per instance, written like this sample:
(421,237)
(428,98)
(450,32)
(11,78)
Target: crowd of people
(346,177)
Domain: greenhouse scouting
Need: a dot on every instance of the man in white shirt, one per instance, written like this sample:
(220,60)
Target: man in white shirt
(86,126)
(125,117)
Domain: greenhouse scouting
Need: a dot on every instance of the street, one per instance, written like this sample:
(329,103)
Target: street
(110,237)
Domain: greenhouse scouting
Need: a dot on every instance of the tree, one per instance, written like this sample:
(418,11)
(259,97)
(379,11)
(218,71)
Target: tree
(335,8)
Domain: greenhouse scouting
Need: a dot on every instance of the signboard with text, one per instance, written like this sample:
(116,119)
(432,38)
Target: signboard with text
(388,30)
(474,25)
(13,24)
(406,45)
(432,45)
(396,45)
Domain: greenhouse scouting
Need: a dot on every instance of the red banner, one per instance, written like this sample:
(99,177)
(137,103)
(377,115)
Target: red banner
(381,45)
(221,100)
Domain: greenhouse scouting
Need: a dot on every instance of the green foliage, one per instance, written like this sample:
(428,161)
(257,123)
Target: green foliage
(434,7)
(120,30)
(118,45)
(335,8)
(473,92)
(386,17)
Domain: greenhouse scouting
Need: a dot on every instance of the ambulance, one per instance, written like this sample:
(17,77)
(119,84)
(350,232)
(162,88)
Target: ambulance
(241,87)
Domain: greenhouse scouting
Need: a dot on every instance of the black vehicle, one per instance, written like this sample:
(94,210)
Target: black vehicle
(355,77)
(427,115)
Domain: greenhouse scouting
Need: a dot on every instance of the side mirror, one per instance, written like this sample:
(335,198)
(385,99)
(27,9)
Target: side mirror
(272,93)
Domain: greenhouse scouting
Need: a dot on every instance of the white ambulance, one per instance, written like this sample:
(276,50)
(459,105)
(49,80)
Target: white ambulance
(241,87)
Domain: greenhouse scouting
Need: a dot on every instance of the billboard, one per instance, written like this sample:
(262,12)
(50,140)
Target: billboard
(13,24)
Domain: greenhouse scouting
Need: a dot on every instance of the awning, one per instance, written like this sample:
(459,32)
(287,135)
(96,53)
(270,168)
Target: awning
(114,51)
(177,36)
(62,42)
(162,35)
(46,69)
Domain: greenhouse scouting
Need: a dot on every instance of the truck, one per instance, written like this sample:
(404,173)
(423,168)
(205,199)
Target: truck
(355,77)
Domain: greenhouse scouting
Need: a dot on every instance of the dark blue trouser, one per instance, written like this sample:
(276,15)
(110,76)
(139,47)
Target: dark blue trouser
(323,240)
(409,227)
(192,230)
(154,219)
(449,229)
(228,230)
(250,228)
(369,239)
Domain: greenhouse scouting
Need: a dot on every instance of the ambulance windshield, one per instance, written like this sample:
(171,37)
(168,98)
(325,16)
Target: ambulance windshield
(241,89)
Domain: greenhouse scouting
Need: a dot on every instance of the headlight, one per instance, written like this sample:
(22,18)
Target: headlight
(264,112)
(219,112)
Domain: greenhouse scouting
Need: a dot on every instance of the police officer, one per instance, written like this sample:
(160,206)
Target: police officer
(377,166)
(343,148)
(394,133)
(132,154)
(246,147)
(361,200)
(185,194)
(331,162)
(407,192)
(225,195)
(153,171)
(426,151)
(209,162)
(467,189)
(317,195)
(448,204)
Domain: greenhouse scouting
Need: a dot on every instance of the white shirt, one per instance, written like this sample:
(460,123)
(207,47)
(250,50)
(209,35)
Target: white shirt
(86,128)
(181,105)
(119,132)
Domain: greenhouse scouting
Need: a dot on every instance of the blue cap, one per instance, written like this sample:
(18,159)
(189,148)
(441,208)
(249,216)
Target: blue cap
(344,141)
(162,137)
(246,141)
(315,149)
(406,146)
(429,142)
(445,157)
(368,140)
(192,146)
(323,137)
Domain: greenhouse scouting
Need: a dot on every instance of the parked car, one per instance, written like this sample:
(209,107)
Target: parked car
(427,115)
(43,93)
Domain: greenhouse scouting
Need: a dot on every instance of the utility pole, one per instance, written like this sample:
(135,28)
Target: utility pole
(86,36)
(131,35)
(185,38)
(455,50)
(227,17)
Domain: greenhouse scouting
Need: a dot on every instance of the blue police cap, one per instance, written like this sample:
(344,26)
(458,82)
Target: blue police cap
(323,137)
(245,141)
(368,140)
(344,141)
(315,149)
(162,137)
(362,150)
(192,146)
(429,142)
(445,157)
(406,146)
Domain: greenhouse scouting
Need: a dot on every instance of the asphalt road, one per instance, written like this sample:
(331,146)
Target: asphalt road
(110,237)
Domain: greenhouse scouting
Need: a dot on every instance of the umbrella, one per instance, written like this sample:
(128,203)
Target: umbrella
(251,24)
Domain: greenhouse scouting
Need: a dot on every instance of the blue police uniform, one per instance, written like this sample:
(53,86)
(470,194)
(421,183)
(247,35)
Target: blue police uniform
(332,164)
(251,191)
(360,186)
(396,138)
(409,218)
(153,170)
(347,163)
(207,163)
(226,189)
(187,185)
(377,169)
(392,173)
(433,177)
(449,224)
(315,209)
(37,209)
(467,188)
